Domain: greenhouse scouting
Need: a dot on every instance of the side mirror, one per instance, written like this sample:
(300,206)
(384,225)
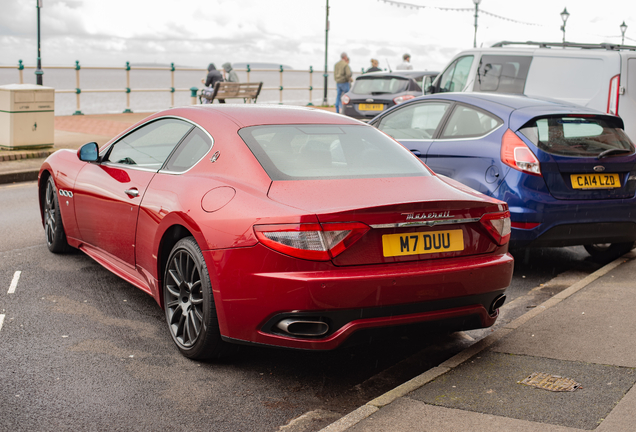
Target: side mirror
(429,90)
(88,152)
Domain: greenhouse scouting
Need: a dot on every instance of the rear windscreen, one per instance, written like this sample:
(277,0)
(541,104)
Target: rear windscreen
(585,136)
(380,85)
(305,152)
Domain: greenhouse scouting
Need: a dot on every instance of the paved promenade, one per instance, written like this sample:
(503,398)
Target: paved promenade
(585,335)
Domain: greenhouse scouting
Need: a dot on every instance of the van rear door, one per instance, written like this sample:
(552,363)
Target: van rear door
(627,93)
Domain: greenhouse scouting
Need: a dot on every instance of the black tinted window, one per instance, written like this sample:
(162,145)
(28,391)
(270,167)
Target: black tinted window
(380,85)
(191,150)
(502,74)
(301,152)
(576,136)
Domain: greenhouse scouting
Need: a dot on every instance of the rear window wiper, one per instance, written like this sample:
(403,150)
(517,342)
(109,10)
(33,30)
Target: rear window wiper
(612,151)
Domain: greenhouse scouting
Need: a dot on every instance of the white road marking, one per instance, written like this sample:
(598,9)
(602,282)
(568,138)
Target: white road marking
(1,320)
(14,282)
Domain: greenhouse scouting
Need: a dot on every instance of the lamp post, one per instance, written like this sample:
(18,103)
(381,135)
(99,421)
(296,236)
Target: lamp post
(564,16)
(38,70)
(476,15)
(324,99)
(623,29)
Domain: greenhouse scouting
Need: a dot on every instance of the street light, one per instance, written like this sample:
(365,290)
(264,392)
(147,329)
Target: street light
(476,15)
(38,70)
(623,29)
(324,99)
(564,16)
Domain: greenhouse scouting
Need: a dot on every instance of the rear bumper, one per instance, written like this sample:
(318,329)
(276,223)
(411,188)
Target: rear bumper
(255,288)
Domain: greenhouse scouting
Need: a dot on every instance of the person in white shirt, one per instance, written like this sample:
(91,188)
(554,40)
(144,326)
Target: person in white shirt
(406,63)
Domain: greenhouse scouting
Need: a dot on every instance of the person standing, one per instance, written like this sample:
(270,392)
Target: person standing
(374,67)
(343,76)
(406,63)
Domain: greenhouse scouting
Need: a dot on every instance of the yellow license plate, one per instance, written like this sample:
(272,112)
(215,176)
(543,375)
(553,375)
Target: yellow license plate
(422,243)
(595,181)
(371,107)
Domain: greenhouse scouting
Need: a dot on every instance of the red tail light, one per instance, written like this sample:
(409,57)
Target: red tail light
(525,225)
(311,241)
(612,98)
(498,226)
(398,100)
(516,154)
(345,99)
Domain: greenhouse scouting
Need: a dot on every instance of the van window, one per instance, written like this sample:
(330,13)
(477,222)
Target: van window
(454,78)
(502,74)
(576,136)
(575,80)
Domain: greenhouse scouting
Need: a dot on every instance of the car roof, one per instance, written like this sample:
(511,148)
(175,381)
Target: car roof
(251,114)
(399,73)
(518,109)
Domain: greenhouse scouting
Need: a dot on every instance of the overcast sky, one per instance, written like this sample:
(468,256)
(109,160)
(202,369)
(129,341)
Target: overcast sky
(291,32)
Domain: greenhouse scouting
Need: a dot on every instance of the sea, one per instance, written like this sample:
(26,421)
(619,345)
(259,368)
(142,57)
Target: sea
(108,103)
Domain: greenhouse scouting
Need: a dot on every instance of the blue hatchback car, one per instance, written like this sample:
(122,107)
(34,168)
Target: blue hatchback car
(568,173)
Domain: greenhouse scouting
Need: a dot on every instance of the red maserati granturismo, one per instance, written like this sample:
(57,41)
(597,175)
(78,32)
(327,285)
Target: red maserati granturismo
(283,226)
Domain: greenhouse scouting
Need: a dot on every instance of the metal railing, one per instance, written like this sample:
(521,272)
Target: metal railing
(172,90)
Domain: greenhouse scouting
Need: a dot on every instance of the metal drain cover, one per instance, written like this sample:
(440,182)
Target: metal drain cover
(551,382)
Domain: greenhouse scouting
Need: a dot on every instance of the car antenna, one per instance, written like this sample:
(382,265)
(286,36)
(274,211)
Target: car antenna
(388,64)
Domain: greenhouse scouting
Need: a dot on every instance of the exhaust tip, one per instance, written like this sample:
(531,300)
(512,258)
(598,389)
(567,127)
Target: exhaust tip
(497,303)
(300,327)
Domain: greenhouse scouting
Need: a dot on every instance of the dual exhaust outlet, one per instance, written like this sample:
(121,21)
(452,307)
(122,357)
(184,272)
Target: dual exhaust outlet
(314,328)
(303,327)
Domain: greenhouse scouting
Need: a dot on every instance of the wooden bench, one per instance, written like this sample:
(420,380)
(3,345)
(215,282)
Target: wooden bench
(231,90)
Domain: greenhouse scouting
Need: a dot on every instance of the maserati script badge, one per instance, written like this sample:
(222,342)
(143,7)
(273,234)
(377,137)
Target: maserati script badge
(420,216)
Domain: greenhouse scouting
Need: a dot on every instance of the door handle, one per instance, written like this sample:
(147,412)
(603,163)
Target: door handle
(416,152)
(132,192)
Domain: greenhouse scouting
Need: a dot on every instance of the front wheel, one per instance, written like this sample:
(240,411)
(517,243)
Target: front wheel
(53,227)
(189,303)
(608,251)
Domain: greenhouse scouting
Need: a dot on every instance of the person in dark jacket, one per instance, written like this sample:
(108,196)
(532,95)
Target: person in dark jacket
(374,67)
(213,77)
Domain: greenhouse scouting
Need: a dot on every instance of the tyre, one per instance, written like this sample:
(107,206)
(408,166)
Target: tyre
(53,227)
(189,303)
(608,251)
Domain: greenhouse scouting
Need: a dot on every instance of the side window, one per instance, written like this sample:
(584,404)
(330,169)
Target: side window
(190,151)
(466,122)
(455,77)
(416,121)
(150,145)
(502,74)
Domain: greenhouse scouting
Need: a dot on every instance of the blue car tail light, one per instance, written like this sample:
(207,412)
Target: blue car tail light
(516,154)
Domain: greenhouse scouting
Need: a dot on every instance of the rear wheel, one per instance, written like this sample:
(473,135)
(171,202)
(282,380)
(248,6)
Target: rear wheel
(189,303)
(53,227)
(608,251)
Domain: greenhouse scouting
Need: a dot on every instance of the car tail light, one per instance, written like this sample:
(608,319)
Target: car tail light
(525,225)
(311,241)
(612,98)
(398,100)
(498,226)
(516,154)
(345,99)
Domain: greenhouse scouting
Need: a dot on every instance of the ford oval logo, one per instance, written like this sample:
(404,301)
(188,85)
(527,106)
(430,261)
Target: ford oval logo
(369,100)
(599,168)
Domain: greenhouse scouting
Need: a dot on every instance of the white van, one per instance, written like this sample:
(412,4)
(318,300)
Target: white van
(599,76)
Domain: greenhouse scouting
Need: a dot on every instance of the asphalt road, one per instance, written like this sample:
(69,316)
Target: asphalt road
(82,349)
